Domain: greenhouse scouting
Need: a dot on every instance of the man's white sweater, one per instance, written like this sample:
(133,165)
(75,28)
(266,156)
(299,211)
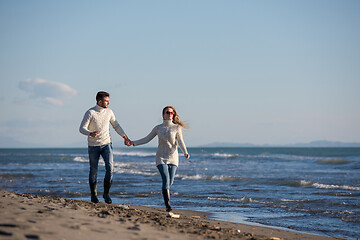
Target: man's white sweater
(168,133)
(99,119)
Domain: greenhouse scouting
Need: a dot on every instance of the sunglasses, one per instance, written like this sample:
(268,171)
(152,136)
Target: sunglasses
(167,112)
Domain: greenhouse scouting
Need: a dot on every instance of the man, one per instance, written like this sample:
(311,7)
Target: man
(95,125)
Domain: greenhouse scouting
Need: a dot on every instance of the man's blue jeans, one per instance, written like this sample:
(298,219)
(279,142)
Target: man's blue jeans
(106,152)
(167,172)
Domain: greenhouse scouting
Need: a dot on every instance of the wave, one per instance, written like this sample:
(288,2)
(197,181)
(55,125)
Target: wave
(329,186)
(235,156)
(304,183)
(263,156)
(219,155)
(289,157)
(85,158)
(128,170)
(289,200)
(211,178)
(135,154)
(223,155)
(243,199)
(81,159)
(119,167)
(291,204)
(333,161)
(348,194)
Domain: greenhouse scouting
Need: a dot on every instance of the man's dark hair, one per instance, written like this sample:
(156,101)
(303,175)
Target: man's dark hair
(100,95)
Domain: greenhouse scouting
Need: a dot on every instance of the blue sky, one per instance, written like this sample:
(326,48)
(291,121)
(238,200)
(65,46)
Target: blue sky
(263,72)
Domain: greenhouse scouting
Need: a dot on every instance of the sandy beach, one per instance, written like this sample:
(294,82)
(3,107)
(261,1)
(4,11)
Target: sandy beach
(27,216)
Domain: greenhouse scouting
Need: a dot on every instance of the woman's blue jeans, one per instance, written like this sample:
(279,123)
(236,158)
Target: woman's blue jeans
(167,172)
(106,152)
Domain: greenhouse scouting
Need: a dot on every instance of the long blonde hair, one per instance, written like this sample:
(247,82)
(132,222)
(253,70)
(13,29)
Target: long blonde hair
(176,119)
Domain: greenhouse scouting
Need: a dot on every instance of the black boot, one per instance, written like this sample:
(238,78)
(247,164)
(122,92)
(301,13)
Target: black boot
(166,195)
(93,190)
(107,186)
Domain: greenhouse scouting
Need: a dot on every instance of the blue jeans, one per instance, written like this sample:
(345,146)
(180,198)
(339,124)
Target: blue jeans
(167,172)
(106,152)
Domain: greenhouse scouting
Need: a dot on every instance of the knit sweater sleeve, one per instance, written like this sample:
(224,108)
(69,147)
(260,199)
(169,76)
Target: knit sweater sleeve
(116,125)
(146,139)
(180,140)
(85,124)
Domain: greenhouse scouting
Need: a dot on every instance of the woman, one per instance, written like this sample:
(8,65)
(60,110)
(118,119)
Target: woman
(167,158)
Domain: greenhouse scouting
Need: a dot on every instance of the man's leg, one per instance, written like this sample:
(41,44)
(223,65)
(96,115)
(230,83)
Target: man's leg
(94,155)
(107,154)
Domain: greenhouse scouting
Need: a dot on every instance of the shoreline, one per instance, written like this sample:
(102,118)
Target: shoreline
(28,216)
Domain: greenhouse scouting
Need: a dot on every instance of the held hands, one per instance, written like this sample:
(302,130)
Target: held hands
(128,142)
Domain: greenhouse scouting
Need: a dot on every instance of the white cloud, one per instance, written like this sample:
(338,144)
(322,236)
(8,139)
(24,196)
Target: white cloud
(47,91)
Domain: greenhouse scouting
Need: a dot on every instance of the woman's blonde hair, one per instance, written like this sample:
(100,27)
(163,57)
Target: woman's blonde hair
(176,119)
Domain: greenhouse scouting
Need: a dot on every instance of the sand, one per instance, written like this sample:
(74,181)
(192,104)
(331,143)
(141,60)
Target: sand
(27,216)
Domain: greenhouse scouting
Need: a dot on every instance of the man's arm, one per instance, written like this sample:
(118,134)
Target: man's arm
(85,124)
(117,126)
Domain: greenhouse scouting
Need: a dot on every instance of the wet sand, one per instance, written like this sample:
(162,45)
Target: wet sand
(27,216)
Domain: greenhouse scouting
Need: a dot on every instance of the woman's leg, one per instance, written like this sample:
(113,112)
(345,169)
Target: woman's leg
(172,170)
(164,172)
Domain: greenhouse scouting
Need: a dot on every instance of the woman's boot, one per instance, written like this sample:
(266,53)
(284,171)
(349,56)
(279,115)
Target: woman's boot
(93,190)
(106,195)
(166,195)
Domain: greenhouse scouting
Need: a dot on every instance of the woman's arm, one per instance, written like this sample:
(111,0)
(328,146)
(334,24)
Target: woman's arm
(181,143)
(146,139)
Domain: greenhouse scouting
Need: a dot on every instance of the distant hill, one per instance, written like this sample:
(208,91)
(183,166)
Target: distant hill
(320,143)
(324,143)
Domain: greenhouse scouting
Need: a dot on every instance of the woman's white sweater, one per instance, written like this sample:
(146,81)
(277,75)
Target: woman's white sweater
(168,133)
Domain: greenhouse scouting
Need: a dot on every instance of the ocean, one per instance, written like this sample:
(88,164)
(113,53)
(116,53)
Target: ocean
(311,190)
